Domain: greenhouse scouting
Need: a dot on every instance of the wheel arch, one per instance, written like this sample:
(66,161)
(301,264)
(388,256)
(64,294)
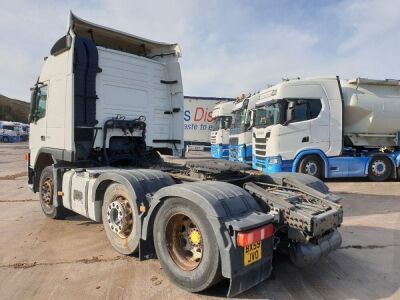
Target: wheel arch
(324,159)
(229,209)
(43,160)
(139,183)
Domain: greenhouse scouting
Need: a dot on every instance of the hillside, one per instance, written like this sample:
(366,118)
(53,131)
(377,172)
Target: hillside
(13,110)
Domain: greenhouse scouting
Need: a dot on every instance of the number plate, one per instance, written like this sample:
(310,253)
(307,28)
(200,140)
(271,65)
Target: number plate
(252,253)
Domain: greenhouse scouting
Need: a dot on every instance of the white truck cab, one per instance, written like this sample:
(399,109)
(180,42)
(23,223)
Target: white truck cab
(219,138)
(328,127)
(240,139)
(94,79)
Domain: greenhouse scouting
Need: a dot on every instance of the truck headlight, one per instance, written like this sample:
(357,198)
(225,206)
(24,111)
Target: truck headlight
(275,160)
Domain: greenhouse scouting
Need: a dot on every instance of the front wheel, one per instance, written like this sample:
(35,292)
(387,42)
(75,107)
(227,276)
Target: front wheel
(186,245)
(380,168)
(46,193)
(311,165)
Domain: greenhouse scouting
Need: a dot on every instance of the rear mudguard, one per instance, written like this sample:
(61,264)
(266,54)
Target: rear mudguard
(229,209)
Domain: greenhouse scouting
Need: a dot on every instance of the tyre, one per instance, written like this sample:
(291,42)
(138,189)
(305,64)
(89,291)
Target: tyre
(119,215)
(311,165)
(380,168)
(46,192)
(5,139)
(186,246)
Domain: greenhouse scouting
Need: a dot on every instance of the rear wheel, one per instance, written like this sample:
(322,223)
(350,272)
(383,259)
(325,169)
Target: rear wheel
(46,193)
(311,165)
(119,214)
(380,168)
(186,245)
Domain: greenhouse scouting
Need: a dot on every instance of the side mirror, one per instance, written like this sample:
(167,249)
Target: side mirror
(253,119)
(32,114)
(290,114)
(250,120)
(226,124)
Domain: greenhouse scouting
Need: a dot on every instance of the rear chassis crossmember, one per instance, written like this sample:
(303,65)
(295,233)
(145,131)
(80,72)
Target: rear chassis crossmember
(298,210)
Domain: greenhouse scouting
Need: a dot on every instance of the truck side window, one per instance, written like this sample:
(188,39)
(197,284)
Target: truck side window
(41,99)
(306,109)
(300,111)
(314,108)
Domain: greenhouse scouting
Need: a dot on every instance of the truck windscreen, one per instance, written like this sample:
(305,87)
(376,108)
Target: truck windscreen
(9,127)
(223,122)
(270,114)
(239,117)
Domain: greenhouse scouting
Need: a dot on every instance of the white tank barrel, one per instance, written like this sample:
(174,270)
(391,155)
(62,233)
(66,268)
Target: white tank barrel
(371,111)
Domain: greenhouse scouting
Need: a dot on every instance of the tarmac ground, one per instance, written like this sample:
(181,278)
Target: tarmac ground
(42,258)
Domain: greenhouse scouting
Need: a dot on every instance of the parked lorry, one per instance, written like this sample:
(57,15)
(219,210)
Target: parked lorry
(199,121)
(240,135)
(219,137)
(9,132)
(23,130)
(327,127)
(97,119)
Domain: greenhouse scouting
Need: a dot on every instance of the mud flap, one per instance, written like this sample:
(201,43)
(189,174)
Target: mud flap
(246,277)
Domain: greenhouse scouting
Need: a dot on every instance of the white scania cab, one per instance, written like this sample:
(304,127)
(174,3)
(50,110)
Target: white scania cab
(240,140)
(222,114)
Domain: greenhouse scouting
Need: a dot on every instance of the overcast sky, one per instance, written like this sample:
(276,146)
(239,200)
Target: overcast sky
(228,47)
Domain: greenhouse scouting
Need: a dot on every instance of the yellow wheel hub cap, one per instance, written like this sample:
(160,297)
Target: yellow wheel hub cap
(195,237)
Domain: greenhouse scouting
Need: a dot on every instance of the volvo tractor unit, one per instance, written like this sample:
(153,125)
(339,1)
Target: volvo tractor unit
(106,103)
(327,127)
(240,139)
(219,138)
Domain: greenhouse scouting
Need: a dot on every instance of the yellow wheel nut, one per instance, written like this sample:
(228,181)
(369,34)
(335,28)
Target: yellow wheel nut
(195,237)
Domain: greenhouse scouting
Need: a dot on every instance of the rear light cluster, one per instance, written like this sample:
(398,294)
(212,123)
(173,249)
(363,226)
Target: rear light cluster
(246,238)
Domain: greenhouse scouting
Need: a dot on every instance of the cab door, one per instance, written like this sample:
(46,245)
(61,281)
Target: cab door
(295,133)
(38,125)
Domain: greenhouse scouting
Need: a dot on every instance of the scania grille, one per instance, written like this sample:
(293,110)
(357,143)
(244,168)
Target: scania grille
(261,140)
(233,141)
(260,146)
(260,152)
